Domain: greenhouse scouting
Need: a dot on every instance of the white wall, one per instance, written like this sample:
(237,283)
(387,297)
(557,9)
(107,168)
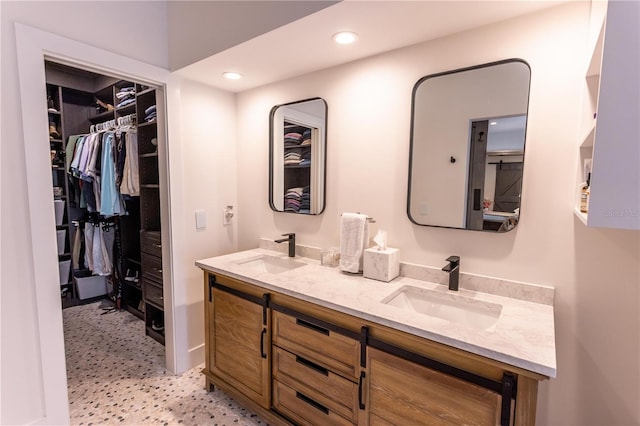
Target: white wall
(594,271)
(208,134)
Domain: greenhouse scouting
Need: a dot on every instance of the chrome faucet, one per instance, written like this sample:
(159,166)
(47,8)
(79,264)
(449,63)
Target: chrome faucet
(291,238)
(453,268)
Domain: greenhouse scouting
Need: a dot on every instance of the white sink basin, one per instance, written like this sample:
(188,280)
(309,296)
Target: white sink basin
(450,307)
(271,264)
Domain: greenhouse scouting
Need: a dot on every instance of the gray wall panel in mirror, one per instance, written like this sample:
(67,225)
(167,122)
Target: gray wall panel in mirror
(297,156)
(466,158)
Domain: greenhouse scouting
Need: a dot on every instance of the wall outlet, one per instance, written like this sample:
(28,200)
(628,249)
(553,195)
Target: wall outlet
(227,215)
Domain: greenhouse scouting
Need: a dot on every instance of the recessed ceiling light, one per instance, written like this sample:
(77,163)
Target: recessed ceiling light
(345,37)
(493,123)
(232,75)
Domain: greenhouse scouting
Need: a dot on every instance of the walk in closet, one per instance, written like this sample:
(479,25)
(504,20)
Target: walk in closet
(106,189)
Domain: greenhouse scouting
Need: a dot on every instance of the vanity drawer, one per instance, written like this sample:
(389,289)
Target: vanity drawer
(332,391)
(303,409)
(153,295)
(150,243)
(316,343)
(151,268)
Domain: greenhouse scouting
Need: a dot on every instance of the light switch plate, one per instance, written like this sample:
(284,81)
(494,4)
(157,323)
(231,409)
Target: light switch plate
(201,219)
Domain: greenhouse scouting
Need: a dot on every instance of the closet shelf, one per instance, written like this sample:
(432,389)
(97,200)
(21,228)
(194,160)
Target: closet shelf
(144,92)
(55,140)
(149,154)
(135,311)
(127,109)
(150,185)
(155,335)
(103,116)
(296,166)
(146,124)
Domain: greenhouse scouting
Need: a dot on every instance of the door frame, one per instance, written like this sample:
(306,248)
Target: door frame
(33,47)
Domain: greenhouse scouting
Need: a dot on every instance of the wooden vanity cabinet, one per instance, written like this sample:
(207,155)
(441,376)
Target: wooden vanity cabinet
(238,340)
(295,362)
(401,392)
(315,370)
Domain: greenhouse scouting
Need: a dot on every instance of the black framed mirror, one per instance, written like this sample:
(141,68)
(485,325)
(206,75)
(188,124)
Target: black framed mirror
(466,160)
(297,156)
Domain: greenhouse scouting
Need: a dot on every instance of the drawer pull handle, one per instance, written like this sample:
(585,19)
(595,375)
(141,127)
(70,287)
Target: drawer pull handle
(158,270)
(262,336)
(312,403)
(360,383)
(312,365)
(157,245)
(313,327)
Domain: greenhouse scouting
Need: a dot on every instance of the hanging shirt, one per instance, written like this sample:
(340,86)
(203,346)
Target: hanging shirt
(111,203)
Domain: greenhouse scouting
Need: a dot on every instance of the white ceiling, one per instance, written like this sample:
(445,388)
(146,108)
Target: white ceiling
(305,45)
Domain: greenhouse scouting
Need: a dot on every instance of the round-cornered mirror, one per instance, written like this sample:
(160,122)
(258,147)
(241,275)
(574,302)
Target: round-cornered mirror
(466,159)
(297,157)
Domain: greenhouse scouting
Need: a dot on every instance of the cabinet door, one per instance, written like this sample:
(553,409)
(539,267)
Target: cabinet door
(401,392)
(240,342)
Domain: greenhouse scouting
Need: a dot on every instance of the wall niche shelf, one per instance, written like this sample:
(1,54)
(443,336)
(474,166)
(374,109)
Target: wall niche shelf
(608,148)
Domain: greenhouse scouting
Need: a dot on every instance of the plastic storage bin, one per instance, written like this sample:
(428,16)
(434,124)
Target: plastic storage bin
(58,206)
(90,286)
(63,267)
(61,234)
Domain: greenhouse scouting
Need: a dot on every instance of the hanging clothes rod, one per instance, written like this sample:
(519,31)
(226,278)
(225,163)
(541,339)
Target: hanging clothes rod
(127,120)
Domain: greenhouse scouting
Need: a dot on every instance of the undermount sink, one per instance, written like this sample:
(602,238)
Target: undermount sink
(450,307)
(271,264)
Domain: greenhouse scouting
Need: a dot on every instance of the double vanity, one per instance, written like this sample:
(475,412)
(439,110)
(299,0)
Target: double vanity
(302,343)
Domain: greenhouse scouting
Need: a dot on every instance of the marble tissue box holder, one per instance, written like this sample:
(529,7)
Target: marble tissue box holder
(381,265)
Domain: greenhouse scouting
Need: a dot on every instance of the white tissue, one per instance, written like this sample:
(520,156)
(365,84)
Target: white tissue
(381,240)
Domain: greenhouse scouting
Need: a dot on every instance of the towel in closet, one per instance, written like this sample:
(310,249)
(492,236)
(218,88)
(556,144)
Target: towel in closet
(354,236)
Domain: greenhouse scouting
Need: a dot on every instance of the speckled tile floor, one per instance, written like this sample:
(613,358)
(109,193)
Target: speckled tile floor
(116,375)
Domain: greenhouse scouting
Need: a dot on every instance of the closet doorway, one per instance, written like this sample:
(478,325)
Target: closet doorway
(103,137)
(34,46)
(105,174)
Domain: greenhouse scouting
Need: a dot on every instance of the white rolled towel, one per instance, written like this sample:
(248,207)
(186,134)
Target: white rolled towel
(354,237)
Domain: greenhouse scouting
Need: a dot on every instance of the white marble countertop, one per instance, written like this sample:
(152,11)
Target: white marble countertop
(523,335)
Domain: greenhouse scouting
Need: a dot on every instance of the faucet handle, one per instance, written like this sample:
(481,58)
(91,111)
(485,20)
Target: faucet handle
(289,234)
(453,259)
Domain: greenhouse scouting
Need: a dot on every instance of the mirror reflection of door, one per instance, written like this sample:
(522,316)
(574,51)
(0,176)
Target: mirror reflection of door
(508,186)
(477,165)
(503,173)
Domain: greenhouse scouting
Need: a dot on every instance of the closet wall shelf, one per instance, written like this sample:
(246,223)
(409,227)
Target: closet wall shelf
(55,140)
(135,311)
(149,154)
(150,186)
(156,335)
(145,91)
(146,123)
(103,116)
(127,109)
